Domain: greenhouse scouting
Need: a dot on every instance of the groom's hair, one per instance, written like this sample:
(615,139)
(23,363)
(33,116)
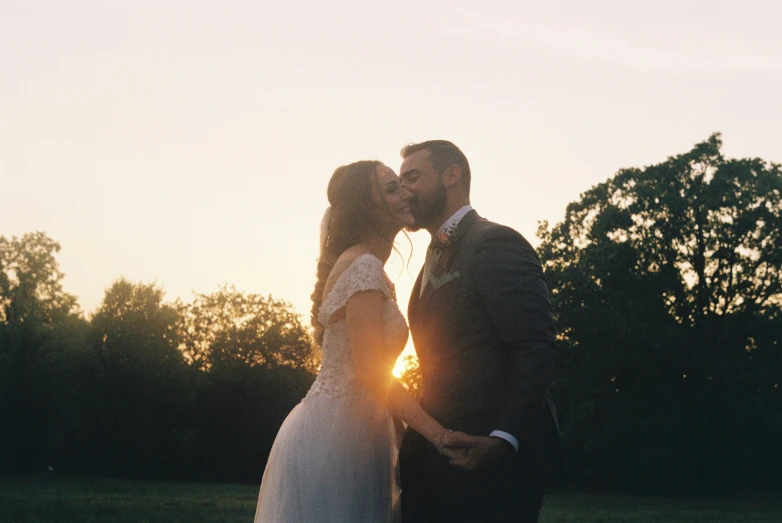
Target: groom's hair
(444,154)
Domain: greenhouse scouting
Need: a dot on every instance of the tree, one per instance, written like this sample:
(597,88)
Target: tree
(31,281)
(667,285)
(256,363)
(411,378)
(143,392)
(33,307)
(145,388)
(228,327)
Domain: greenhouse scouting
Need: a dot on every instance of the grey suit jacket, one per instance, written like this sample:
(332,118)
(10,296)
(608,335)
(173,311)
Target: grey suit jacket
(486,344)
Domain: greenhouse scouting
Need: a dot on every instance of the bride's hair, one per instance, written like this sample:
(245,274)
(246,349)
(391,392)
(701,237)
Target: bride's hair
(353,217)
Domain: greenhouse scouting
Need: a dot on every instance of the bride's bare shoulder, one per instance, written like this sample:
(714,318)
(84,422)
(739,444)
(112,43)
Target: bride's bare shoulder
(343,262)
(349,256)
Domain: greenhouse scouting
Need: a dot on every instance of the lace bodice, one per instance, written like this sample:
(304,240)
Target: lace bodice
(337,376)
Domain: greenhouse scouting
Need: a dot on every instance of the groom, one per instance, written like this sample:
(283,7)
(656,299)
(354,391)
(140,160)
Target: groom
(481,323)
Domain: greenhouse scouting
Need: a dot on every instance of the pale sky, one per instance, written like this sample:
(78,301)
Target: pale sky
(189,143)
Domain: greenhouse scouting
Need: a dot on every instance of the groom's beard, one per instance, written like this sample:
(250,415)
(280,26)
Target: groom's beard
(427,210)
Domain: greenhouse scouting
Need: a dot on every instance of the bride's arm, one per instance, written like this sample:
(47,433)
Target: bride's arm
(374,363)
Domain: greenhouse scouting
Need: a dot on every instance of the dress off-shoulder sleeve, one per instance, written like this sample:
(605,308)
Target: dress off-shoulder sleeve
(365,273)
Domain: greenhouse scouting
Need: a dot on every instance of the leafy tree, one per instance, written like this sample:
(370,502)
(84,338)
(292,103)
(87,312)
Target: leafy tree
(229,327)
(143,390)
(668,291)
(411,378)
(256,364)
(33,307)
(31,281)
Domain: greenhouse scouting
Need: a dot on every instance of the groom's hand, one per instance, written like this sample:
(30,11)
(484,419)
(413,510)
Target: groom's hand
(443,447)
(452,453)
(481,451)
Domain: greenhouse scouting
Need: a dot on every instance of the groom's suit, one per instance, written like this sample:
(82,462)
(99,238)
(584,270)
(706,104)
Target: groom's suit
(484,335)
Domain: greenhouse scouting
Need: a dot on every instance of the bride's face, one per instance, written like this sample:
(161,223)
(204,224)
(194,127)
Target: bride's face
(394,198)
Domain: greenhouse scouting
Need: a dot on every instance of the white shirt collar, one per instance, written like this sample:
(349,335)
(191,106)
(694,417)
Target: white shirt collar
(455,218)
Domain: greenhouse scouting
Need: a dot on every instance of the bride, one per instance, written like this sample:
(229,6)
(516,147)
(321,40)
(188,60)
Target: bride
(335,456)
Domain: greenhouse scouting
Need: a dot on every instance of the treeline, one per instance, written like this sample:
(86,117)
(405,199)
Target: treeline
(667,287)
(144,388)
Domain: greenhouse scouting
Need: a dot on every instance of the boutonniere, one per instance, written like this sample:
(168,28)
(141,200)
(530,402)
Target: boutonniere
(442,248)
(444,239)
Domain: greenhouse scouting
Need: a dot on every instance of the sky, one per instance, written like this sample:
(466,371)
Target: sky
(189,143)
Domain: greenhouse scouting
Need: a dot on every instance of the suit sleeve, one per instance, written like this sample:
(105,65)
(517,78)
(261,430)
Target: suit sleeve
(510,281)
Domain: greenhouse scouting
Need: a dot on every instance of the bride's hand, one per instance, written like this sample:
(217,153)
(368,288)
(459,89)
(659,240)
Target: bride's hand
(445,448)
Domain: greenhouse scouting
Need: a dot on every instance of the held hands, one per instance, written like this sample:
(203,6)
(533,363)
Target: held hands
(442,443)
(473,452)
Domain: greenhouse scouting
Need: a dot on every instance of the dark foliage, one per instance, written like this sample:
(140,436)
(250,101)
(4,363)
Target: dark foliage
(667,287)
(667,283)
(145,389)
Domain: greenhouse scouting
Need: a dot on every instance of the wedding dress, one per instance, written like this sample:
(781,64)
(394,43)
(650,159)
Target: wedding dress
(335,457)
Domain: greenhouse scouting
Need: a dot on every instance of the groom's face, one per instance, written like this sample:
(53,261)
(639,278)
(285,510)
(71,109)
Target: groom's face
(428,198)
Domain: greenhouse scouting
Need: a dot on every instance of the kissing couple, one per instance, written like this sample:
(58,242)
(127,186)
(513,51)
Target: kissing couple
(483,444)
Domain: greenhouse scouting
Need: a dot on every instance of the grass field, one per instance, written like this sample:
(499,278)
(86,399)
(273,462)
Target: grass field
(90,500)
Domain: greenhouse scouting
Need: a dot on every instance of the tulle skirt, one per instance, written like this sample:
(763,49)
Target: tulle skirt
(334,461)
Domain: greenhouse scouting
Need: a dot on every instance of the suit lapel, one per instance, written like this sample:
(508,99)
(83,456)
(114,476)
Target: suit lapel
(458,234)
(428,290)
(412,305)
(417,300)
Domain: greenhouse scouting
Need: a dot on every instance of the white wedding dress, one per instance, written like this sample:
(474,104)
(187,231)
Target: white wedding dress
(335,457)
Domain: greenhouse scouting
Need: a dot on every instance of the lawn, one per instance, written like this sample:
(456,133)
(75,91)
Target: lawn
(90,500)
